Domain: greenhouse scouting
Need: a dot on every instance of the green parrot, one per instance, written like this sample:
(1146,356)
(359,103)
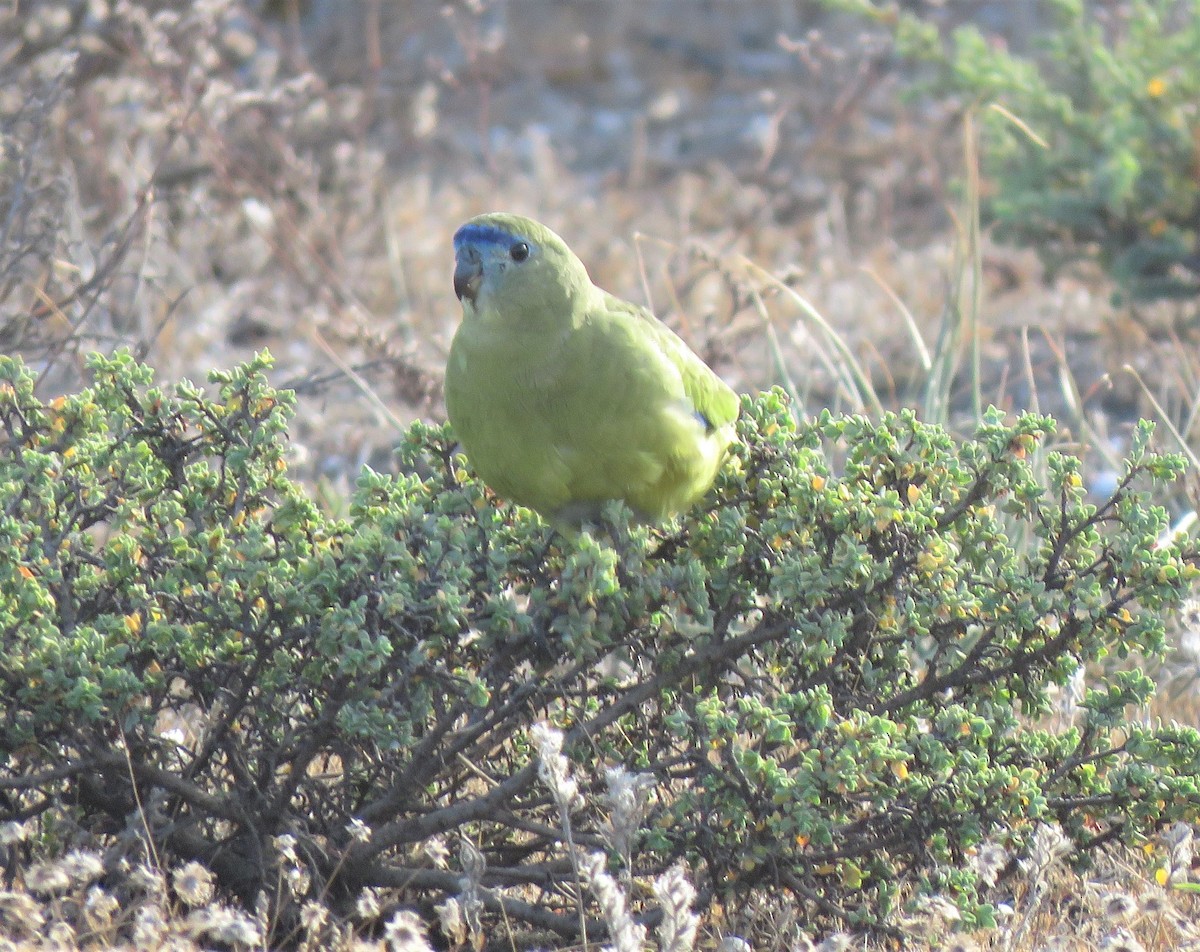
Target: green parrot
(564,396)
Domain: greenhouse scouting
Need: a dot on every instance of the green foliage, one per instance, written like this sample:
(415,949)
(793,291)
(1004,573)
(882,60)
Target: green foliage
(841,672)
(1114,105)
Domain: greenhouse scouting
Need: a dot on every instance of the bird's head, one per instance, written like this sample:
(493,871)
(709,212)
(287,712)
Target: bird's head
(513,266)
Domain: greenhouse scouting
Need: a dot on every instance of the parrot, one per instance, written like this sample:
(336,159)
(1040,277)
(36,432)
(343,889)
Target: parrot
(563,396)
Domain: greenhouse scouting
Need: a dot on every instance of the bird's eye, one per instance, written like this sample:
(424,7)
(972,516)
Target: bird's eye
(519,251)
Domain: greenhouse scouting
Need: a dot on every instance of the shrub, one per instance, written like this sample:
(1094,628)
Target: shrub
(834,677)
(1101,163)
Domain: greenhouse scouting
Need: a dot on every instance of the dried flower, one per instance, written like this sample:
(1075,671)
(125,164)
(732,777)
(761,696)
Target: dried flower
(1184,923)
(193,884)
(437,851)
(675,893)
(553,768)
(358,830)
(47,879)
(1155,902)
(1121,941)
(82,867)
(474,865)
(1117,907)
(938,909)
(286,845)
(62,936)
(1179,839)
(989,862)
(450,919)
(1050,844)
(313,916)
(223,924)
(366,907)
(21,910)
(148,927)
(150,881)
(406,933)
(626,934)
(629,797)
(13,832)
(100,907)
(297,879)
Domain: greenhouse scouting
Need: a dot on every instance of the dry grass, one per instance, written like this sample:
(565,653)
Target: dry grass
(201,181)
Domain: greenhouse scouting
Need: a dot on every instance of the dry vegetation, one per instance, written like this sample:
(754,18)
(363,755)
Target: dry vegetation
(200,181)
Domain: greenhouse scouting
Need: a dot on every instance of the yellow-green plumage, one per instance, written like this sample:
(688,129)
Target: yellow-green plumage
(564,396)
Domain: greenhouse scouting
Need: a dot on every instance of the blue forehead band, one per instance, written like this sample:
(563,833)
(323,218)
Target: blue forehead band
(483,235)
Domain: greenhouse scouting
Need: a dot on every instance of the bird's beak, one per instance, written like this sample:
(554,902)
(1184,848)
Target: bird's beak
(468,273)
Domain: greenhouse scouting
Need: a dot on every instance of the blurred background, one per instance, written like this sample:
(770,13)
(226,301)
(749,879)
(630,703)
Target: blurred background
(782,182)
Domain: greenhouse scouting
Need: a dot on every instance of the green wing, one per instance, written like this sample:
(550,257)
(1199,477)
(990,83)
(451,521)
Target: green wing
(613,406)
(649,422)
(711,397)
